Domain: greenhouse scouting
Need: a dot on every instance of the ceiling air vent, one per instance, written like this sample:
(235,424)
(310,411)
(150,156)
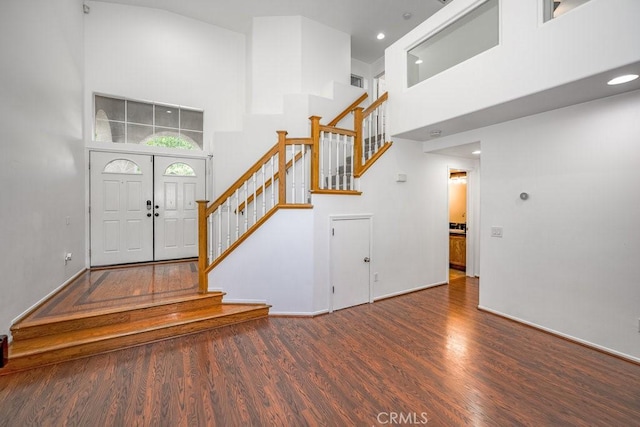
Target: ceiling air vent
(445,1)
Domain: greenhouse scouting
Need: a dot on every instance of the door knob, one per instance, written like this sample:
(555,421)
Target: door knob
(149,214)
(156,214)
(366,259)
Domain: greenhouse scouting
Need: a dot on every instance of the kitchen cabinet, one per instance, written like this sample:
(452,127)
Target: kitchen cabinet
(457,251)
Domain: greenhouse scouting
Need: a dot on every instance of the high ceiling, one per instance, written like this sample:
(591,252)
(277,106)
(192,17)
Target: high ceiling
(363,19)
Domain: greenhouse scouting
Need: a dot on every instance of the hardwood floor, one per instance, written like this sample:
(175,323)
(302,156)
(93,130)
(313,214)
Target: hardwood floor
(429,355)
(106,310)
(120,287)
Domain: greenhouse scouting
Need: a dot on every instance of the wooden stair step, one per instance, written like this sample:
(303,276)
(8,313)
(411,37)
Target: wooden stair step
(51,325)
(26,354)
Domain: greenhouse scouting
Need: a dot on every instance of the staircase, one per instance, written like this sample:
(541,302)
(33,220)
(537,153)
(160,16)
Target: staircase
(52,340)
(329,161)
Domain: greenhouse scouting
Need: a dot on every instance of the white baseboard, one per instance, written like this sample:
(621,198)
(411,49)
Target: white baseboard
(408,291)
(298,313)
(243,301)
(563,335)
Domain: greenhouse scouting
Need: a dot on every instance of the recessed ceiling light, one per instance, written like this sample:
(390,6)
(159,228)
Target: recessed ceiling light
(435,133)
(407,15)
(169,111)
(380,36)
(419,61)
(622,79)
(476,152)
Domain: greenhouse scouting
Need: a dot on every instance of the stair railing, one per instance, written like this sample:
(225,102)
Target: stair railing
(285,176)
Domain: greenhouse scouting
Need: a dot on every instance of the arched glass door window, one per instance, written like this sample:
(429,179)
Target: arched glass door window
(179,169)
(122,166)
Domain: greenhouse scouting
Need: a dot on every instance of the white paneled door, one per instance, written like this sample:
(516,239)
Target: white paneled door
(350,262)
(178,184)
(143,207)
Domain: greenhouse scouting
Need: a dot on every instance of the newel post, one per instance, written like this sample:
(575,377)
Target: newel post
(282,167)
(315,152)
(203,280)
(357,152)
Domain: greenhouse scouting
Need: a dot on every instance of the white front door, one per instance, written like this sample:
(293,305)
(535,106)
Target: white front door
(130,221)
(178,184)
(121,219)
(350,261)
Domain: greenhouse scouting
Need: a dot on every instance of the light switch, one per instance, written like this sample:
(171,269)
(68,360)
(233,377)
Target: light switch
(496,231)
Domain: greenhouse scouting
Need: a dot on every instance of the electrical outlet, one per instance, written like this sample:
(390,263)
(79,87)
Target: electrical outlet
(67,257)
(638,324)
(496,232)
(375,277)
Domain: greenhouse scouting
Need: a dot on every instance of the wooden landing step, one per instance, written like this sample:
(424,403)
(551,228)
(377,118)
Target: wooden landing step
(38,343)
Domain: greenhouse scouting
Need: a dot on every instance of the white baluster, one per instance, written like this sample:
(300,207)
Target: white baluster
(378,128)
(210,242)
(303,195)
(383,115)
(237,197)
(344,166)
(264,193)
(246,207)
(255,200)
(273,182)
(322,149)
(337,175)
(219,211)
(228,222)
(293,174)
(352,163)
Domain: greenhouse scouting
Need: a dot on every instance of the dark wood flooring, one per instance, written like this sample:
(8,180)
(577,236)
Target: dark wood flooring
(429,355)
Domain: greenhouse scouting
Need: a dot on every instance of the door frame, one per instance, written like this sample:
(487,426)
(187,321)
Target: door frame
(350,217)
(472,220)
(135,149)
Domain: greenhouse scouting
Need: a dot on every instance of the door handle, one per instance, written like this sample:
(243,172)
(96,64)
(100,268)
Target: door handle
(367,259)
(156,214)
(149,205)
(149,214)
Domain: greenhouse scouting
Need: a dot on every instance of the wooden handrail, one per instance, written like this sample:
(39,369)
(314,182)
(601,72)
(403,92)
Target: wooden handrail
(268,182)
(253,169)
(375,104)
(347,110)
(339,131)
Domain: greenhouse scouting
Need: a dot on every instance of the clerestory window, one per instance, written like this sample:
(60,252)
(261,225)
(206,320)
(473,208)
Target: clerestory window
(468,36)
(127,121)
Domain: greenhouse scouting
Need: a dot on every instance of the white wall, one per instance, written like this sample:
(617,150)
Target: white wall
(274,265)
(567,261)
(326,58)
(43,157)
(154,55)
(294,55)
(531,57)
